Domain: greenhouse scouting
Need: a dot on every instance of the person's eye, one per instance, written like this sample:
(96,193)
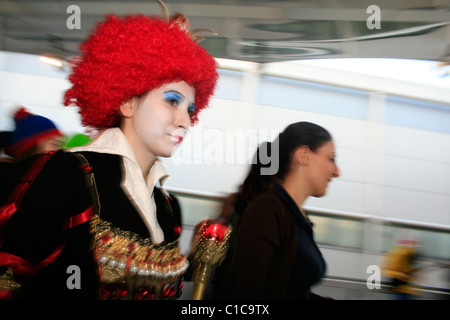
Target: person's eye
(191,109)
(173,98)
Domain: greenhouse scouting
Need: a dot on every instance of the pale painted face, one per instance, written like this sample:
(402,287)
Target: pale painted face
(322,168)
(161,119)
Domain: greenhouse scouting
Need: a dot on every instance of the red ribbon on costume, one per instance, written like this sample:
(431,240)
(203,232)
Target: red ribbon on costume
(6,295)
(79,218)
(20,265)
(24,267)
(7,210)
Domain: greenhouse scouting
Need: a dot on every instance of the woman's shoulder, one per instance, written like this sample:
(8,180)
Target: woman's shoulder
(100,161)
(42,163)
(268,199)
(56,169)
(55,159)
(67,162)
(59,163)
(267,206)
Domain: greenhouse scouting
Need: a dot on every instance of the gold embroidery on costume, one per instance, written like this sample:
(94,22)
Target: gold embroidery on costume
(7,281)
(129,266)
(132,267)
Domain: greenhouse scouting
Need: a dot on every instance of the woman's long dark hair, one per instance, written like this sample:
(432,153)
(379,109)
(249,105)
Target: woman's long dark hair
(255,183)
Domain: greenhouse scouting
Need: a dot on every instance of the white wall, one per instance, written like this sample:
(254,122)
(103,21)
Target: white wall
(25,80)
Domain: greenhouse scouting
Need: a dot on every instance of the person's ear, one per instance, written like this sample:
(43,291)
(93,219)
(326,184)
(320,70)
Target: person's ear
(128,107)
(302,155)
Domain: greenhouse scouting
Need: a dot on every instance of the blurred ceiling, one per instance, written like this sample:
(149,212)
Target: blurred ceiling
(258,30)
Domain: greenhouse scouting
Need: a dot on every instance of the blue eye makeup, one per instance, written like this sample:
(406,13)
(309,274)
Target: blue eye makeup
(191,109)
(173,97)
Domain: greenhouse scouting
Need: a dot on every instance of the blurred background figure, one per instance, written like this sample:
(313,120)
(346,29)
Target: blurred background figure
(400,266)
(5,136)
(5,161)
(33,134)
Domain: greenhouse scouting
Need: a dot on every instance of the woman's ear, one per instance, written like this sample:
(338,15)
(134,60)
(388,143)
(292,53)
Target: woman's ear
(128,107)
(302,155)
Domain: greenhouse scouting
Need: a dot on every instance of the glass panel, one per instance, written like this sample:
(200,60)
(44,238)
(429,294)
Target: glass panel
(338,231)
(195,208)
(321,229)
(431,243)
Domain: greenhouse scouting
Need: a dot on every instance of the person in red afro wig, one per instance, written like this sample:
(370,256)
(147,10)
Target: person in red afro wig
(102,207)
(129,56)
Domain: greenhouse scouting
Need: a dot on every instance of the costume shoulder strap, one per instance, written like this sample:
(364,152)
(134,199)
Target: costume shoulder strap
(90,183)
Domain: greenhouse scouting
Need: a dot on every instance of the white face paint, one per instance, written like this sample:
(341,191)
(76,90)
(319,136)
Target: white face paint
(161,119)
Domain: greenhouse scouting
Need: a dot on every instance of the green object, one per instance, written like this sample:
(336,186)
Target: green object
(77,140)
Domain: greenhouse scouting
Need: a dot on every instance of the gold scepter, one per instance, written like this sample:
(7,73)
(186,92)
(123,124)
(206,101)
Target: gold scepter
(209,247)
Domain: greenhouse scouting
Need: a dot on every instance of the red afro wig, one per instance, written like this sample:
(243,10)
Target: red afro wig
(129,56)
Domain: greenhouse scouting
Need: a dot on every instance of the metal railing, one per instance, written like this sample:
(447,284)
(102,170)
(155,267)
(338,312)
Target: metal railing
(357,289)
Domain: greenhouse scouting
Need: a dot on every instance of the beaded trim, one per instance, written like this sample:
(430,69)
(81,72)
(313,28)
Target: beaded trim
(127,260)
(129,266)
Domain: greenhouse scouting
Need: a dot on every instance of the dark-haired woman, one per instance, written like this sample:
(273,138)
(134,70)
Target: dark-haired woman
(275,255)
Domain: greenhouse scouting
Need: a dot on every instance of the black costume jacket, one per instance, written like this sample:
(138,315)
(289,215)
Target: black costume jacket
(76,234)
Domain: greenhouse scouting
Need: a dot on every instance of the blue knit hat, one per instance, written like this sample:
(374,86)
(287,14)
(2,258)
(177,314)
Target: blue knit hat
(30,129)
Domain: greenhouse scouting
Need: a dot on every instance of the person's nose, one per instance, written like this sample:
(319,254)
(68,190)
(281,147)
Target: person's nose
(182,119)
(336,171)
